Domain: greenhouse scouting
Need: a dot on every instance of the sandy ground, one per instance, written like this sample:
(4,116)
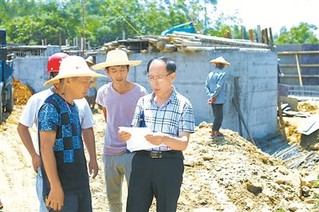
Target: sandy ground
(228,174)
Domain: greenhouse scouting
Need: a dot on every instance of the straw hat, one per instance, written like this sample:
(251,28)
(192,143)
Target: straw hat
(220,60)
(73,66)
(116,58)
(90,60)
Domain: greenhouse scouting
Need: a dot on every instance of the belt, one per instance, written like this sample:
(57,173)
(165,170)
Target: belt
(161,154)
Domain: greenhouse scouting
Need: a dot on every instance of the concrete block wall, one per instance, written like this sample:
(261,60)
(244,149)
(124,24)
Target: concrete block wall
(256,70)
(257,73)
(257,82)
(310,88)
(303,59)
(31,71)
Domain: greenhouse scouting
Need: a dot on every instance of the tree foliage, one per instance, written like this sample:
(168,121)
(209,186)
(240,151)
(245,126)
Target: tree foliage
(32,22)
(99,21)
(224,26)
(301,34)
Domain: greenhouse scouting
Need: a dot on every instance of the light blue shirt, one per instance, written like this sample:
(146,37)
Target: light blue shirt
(215,85)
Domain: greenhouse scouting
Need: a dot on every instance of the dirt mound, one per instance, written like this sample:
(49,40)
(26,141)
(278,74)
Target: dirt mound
(231,174)
(292,133)
(21,93)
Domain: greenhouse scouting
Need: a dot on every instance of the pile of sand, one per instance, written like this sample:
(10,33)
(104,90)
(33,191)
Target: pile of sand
(21,93)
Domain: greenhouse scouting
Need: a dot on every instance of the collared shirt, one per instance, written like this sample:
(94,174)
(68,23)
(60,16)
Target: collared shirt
(215,85)
(174,116)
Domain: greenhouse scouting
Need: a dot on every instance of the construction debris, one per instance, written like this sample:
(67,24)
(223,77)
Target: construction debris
(179,42)
(288,111)
(310,125)
(308,106)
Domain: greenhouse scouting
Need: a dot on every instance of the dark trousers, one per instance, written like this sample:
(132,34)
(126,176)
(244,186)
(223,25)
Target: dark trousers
(160,177)
(218,116)
(77,201)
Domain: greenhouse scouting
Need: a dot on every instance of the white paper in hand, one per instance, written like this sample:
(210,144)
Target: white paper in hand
(137,140)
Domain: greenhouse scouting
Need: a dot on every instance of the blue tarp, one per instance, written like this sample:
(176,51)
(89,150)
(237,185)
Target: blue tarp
(187,27)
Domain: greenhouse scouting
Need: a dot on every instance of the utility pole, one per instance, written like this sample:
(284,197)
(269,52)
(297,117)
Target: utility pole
(83,27)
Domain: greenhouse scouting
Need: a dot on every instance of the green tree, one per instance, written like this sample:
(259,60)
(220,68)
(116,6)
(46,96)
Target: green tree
(223,25)
(40,21)
(30,22)
(134,18)
(303,33)
(22,30)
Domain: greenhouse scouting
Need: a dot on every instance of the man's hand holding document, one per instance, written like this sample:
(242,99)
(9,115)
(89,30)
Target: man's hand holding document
(136,138)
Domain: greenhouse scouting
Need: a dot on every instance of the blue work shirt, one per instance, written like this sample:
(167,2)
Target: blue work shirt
(215,85)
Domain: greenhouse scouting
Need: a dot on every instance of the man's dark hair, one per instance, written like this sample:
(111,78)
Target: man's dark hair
(170,64)
(53,74)
(220,65)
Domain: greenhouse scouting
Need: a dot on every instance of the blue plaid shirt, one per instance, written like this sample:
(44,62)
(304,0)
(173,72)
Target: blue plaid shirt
(57,115)
(174,116)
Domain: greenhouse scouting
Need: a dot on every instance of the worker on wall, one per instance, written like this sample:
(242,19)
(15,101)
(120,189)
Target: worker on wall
(215,90)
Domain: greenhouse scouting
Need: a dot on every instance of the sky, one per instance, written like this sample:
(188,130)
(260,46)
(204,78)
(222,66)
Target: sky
(272,13)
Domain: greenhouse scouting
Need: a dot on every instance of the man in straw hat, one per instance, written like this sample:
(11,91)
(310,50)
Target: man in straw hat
(91,93)
(30,116)
(118,99)
(90,61)
(65,175)
(169,116)
(215,91)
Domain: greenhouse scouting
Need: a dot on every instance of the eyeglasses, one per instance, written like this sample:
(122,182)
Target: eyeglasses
(158,78)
